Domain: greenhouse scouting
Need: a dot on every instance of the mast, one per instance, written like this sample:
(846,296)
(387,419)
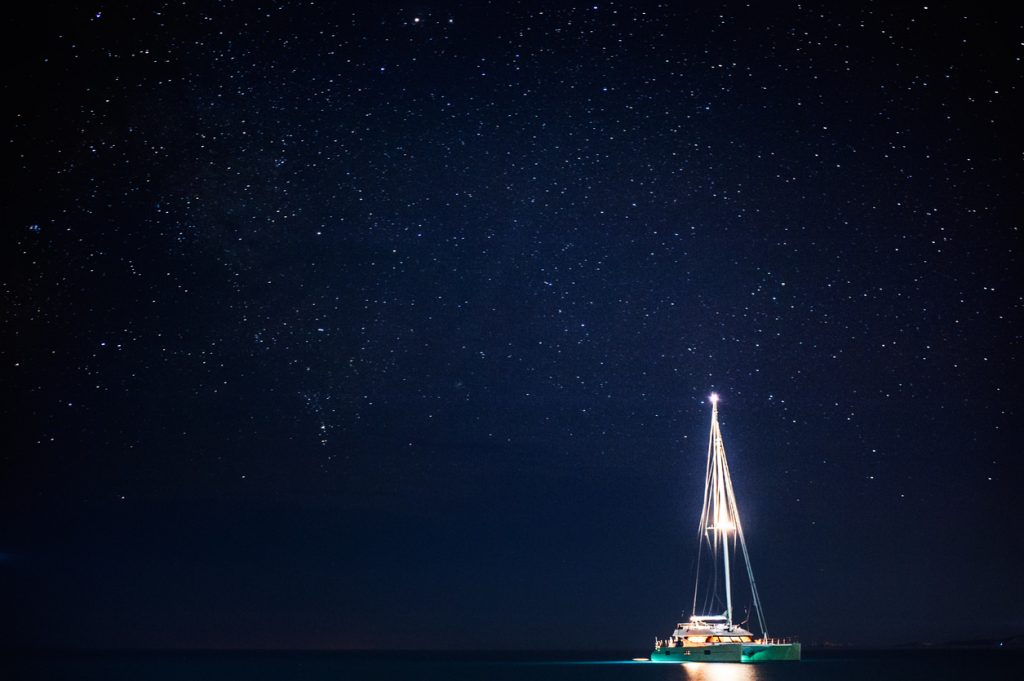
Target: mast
(720,517)
(722,520)
(728,586)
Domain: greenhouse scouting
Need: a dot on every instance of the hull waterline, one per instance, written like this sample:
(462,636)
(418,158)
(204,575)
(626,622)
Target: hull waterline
(750,653)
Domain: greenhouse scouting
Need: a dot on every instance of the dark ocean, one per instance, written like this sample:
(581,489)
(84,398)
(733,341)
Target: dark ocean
(962,665)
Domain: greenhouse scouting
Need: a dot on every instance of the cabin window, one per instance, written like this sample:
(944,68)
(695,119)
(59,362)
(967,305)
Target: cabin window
(697,639)
(707,652)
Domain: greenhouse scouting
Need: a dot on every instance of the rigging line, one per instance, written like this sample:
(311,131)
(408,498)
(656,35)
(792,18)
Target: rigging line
(702,531)
(694,570)
(711,599)
(746,554)
(753,584)
(697,573)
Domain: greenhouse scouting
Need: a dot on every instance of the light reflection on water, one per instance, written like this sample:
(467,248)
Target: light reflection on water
(719,671)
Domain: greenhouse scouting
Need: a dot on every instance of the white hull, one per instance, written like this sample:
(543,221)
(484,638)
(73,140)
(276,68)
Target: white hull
(717,652)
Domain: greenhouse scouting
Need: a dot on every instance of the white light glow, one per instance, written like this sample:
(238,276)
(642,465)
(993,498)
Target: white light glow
(714,398)
(721,671)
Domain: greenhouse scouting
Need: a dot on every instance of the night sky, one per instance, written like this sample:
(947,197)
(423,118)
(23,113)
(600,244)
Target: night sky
(394,327)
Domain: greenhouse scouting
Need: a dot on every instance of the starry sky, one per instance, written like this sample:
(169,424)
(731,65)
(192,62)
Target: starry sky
(393,326)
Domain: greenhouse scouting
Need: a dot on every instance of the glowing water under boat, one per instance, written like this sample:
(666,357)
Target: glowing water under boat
(715,637)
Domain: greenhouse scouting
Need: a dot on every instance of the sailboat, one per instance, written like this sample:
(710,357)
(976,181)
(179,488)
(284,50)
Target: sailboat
(716,637)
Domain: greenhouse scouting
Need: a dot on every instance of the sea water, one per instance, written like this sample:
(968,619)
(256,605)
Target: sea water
(960,665)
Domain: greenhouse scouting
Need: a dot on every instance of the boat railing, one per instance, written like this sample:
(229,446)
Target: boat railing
(775,641)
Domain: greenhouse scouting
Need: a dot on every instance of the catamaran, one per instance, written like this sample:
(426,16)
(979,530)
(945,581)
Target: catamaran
(716,637)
